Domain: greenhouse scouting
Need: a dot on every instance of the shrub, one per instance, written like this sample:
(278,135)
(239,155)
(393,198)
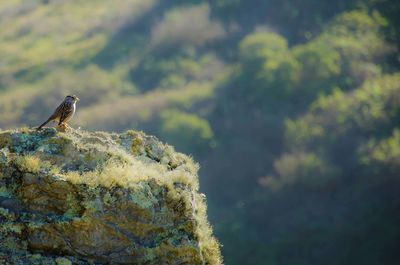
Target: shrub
(320,65)
(302,168)
(28,163)
(185,131)
(268,67)
(187,26)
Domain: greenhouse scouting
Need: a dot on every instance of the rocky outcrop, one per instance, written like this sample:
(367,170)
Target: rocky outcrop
(97,198)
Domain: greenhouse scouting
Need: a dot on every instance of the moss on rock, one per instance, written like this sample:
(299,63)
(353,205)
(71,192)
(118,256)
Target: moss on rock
(98,198)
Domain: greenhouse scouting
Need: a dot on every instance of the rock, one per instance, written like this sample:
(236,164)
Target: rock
(97,198)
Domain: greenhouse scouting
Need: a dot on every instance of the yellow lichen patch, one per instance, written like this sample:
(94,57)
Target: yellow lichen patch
(136,146)
(184,178)
(24,130)
(168,254)
(63,261)
(28,163)
(54,170)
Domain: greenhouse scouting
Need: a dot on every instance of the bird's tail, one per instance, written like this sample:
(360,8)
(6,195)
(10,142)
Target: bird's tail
(43,124)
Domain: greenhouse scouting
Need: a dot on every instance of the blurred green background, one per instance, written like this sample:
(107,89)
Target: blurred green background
(291,107)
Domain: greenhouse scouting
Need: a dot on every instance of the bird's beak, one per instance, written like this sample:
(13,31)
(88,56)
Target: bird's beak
(77,99)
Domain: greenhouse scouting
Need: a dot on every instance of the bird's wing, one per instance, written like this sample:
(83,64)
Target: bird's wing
(57,113)
(66,111)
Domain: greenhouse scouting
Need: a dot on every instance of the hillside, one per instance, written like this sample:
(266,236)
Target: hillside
(290,107)
(83,197)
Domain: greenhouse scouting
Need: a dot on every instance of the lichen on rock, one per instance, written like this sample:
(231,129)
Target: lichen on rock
(100,198)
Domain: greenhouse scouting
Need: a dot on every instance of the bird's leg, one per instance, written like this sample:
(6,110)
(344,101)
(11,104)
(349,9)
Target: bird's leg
(63,126)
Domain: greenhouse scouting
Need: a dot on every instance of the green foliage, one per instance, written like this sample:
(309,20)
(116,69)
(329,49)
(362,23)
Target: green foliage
(357,37)
(320,66)
(177,27)
(384,153)
(186,131)
(346,146)
(175,72)
(30,49)
(365,112)
(306,169)
(343,55)
(348,130)
(268,64)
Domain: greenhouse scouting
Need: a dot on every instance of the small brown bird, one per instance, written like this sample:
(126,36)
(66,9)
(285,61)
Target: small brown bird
(64,112)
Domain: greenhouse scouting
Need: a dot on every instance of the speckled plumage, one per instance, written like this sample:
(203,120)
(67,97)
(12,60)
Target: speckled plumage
(64,112)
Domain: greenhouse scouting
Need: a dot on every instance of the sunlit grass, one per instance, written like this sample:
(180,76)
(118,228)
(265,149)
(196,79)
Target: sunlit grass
(116,174)
(121,112)
(28,163)
(61,32)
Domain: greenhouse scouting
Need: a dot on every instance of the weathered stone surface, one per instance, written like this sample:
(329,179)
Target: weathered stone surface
(97,198)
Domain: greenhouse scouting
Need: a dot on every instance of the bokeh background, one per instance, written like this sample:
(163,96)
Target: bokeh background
(292,108)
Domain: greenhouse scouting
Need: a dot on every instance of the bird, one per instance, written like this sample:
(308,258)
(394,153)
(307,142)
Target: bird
(64,112)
